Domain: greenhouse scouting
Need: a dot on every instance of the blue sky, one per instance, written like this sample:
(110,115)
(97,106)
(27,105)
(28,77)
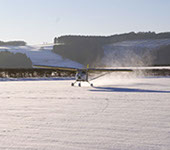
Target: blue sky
(38,21)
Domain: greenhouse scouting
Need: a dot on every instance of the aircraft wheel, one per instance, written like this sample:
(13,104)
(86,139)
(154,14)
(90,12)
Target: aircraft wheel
(91,84)
(72,84)
(79,84)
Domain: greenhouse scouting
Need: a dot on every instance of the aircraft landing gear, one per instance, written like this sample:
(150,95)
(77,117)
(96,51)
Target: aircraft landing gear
(79,84)
(72,84)
(91,84)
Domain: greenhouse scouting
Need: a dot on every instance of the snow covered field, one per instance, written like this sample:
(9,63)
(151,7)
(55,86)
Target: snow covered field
(122,114)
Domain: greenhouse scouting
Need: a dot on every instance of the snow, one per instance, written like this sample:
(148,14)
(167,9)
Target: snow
(117,114)
(149,44)
(42,55)
(134,53)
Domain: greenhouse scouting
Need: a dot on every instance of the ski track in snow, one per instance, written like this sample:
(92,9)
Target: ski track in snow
(129,114)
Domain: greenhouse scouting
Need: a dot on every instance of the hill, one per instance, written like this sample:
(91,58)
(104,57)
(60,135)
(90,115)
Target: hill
(94,50)
(38,55)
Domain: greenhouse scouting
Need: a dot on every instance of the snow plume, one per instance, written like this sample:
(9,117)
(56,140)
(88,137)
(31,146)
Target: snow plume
(127,58)
(135,53)
(116,56)
(124,57)
(116,78)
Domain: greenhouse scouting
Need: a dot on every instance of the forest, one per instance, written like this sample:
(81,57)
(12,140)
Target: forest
(12,43)
(11,60)
(89,49)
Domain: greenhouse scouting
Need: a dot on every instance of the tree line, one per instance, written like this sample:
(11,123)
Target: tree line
(89,49)
(13,43)
(11,60)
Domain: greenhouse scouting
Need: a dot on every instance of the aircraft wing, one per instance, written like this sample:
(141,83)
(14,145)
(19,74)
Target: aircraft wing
(108,70)
(56,68)
(85,69)
(130,69)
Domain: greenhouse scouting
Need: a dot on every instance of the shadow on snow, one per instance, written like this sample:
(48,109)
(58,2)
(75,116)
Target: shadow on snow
(114,89)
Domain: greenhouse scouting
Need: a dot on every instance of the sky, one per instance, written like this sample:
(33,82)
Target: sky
(39,21)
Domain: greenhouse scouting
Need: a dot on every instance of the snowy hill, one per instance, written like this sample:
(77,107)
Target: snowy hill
(119,54)
(135,52)
(139,44)
(42,55)
(128,49)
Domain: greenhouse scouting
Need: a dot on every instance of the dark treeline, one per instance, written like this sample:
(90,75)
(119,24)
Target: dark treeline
(89,49)
(13,43)
(70,39)
(33,73)
(83,49)
(18,60)
(138,36)
(162,55)
(83,52)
